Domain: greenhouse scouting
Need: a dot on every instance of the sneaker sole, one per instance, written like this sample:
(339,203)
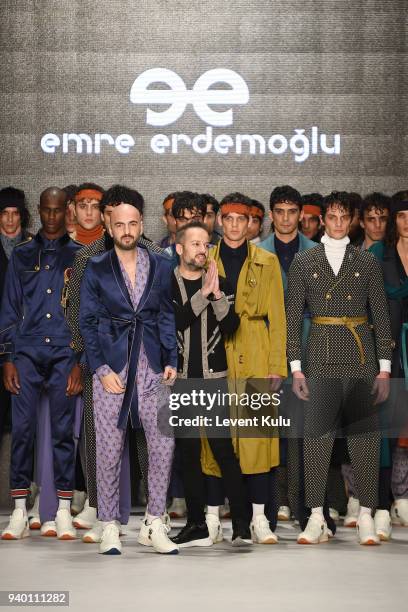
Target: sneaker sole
(175,551)
(34,526)
(176,515)
(282,517)
(352,524)
(67,536)
(10,536)
(203,543)
(268,541)
(78,525)
(240,542)
(89,540)
(112,551)
(383,537)
(306,542)
(49,534)
(370,542)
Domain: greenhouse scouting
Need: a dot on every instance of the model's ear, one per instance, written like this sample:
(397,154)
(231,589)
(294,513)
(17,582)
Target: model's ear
(179,249)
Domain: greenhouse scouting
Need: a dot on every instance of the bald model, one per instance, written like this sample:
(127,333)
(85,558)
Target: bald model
(52,206)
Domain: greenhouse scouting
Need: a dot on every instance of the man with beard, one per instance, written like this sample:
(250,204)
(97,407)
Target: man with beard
(205,314)
(87,518)
(127,323)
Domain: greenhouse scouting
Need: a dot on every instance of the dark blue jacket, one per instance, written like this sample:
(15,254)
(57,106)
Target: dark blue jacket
(31,313)
(113,331)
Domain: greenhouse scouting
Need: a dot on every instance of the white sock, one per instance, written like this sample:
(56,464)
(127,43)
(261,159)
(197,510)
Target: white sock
(21,504)
(257,510)
(364,510)
(318,510)
(213,510)
(64,504)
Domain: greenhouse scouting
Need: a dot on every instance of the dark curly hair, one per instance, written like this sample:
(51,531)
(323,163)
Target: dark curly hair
(391,233)
(342,199)
(188,200)
(118,194)
(209,199)
(71,191)
(285,193)
(376,200)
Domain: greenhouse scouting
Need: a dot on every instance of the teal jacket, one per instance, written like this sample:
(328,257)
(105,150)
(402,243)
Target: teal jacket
(304,245)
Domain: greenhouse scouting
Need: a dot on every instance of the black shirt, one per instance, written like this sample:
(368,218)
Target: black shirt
(195,364)
(233,260)
(403,277)
(286,251)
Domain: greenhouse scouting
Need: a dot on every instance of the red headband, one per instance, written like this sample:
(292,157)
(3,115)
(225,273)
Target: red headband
(235,207)
(90,194)
(257,212)
(312,209)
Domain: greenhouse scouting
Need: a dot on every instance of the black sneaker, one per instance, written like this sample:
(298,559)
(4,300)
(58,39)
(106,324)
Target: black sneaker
(193,535)
(241,535)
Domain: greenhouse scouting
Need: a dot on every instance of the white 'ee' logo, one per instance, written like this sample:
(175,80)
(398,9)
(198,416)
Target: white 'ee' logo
(178,96)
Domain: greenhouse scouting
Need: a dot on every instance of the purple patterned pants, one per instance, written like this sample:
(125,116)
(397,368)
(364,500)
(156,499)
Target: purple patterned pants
(110,442)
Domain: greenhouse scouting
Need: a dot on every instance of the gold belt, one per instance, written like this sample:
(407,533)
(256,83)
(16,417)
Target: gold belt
(351,324)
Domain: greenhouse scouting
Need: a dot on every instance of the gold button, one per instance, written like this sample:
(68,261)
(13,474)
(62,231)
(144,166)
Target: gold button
(393,344)
(357,274)
(47,340)
(48,315)
(49,290)
(328,296)
(71,345)
(315,275)
(252,282)
(349,297)
(36,268)
(47,267)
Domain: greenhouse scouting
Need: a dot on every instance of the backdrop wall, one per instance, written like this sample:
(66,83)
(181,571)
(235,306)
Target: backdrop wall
(338,66)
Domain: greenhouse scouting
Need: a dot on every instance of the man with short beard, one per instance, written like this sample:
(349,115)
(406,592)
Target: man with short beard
(87,518)
(205,315)
(127,323)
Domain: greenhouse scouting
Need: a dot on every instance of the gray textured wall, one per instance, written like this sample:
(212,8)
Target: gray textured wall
(68,65)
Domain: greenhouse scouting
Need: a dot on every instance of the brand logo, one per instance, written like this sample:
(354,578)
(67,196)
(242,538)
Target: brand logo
(201,97)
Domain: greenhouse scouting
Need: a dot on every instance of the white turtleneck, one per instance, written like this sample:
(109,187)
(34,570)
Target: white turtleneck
(335,250)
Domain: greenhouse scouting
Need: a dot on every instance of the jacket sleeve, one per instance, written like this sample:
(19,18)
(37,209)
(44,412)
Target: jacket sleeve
(379,309)
(166,322)
(224,309)
(11,313)
(89,318)
(276,323)
(295,300)
(187,313)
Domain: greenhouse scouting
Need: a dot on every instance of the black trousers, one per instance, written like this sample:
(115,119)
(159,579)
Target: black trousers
(194,480)
(334,404)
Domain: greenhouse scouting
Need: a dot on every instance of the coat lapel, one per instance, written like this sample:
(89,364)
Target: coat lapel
(117,273)
(149,283)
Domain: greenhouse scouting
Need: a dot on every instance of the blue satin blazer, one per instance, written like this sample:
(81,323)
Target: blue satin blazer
(113,331)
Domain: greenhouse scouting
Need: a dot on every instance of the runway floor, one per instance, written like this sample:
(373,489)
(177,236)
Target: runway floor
(339,575)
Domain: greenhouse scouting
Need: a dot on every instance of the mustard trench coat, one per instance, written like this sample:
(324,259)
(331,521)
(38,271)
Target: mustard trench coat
(255,350)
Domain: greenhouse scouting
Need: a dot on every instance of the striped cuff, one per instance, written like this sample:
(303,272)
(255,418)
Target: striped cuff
(64,494)
(19,493)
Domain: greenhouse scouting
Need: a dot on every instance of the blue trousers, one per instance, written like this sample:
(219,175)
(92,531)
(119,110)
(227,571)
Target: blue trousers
(43,368)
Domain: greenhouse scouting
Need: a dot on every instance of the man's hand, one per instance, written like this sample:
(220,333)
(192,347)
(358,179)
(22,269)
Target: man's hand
(381,387)
(299,386)
(275,382)
(169,375)
(74,385)
(211,283)
(112,383)
(10,378)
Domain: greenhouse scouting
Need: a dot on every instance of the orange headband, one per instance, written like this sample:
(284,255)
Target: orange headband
(91,194)
(236,207)
(168,204)
(257,212)
(312,209)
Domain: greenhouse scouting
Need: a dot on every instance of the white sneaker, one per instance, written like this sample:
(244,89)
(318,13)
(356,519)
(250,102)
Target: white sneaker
(334,515)
(159,538)
(18,526)
(214,528)
(110,542)
(93,535)
(78,502)
(63,523)
(49,529)
(86,518)
(366,530)
(34,520)
(399,512)
(316,530)
(284,513)
(143,537)
(177,508)
(261,532)
(353,510)
(383,525)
